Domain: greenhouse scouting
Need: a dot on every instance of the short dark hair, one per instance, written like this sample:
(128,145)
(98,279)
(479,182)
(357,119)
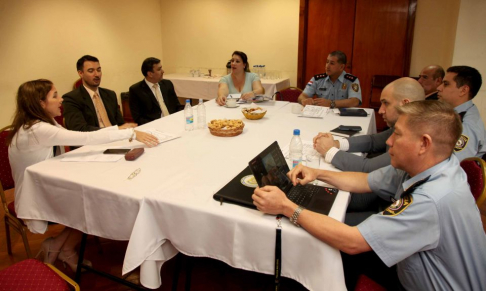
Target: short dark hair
(85,58)
(467,76)
(439,72)
(244,58)
(341,57)
(148,65)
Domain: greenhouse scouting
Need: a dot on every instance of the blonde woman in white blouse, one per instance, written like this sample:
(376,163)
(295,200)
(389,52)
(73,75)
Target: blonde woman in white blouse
(34,133)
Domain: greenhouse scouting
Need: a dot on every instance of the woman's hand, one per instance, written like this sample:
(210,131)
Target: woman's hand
(221,100)
(146,138)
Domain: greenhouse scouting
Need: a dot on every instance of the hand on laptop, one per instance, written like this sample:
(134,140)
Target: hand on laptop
(302,175)
(271,200)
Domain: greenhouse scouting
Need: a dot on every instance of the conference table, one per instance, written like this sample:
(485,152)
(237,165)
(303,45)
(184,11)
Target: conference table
(168,207)
(206,87)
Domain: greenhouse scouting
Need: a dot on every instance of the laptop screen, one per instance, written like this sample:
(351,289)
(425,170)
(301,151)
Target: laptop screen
(270,168)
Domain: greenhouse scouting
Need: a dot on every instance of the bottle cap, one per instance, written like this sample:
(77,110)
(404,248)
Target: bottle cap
(188,101)
(296,131)
(200,100)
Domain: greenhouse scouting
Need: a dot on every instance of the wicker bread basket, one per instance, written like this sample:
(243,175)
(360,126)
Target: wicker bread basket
(226,127)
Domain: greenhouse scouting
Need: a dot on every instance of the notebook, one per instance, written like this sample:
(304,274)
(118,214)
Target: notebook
(352,112)
(270,168)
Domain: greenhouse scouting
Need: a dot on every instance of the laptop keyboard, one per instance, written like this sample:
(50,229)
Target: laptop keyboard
(301,195)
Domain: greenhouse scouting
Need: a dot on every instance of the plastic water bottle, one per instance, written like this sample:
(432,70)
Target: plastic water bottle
(264,73)
(296,148)
(201,114)
(188,115)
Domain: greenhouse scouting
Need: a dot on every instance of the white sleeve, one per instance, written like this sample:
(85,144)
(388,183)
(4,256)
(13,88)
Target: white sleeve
(49,135)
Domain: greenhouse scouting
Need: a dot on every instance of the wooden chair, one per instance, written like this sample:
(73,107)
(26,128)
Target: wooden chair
(127,114)
(7,183)
(32,274)
(290,94)
(475,171)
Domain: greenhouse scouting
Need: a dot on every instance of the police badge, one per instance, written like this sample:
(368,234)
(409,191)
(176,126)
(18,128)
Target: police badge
(398,206)
(355,87)
(461,143)
(344,86)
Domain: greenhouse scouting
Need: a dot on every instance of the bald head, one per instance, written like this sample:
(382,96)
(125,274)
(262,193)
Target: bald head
(406,89)
(430,78)
(398,93)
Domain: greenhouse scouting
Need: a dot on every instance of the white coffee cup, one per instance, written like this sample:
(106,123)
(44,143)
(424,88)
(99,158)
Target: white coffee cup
(231,102)
(297,108)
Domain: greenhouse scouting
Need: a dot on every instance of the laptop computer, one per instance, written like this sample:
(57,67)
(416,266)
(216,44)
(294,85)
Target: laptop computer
(270,168)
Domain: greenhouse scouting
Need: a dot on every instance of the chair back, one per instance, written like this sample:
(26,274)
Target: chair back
(378,82)
(475,171)
(290,94)
(6,179)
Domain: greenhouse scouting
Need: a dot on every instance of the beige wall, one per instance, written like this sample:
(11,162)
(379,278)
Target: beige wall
(470,46)
(44,39)
(204,33)
(434,34)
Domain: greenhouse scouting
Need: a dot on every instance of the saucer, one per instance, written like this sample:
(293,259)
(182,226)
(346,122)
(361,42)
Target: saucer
(237,105)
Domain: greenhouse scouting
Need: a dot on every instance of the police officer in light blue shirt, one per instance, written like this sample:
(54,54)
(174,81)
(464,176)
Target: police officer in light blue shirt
(459,86)
(430,237)
(335,88)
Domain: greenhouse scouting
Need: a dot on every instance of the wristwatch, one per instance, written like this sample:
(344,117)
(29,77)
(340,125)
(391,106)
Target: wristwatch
(333,104)
(296,214)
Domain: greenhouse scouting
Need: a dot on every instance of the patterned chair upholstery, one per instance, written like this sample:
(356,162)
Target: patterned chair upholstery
(366,284)
(290,94)
(475,171)
(32,275)
(7,183)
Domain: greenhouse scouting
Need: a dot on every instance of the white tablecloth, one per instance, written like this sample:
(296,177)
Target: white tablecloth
(207,88)
(168,207)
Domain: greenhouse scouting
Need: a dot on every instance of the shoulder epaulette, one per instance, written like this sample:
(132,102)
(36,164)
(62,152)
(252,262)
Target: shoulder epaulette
(320,76)
(350,77)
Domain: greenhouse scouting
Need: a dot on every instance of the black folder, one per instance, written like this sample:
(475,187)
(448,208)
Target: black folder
(353,112)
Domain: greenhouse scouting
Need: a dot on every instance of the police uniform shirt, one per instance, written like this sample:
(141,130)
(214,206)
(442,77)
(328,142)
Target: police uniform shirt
(472,141)
(346,86)
(435,234)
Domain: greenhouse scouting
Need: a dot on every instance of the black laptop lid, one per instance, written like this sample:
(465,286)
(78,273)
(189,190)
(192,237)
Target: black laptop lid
(270,168)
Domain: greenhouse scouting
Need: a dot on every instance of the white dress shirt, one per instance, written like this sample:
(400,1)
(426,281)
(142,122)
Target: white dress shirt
(34,145)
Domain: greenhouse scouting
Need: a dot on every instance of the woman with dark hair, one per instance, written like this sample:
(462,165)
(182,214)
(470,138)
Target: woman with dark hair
(32,138)
(240,81)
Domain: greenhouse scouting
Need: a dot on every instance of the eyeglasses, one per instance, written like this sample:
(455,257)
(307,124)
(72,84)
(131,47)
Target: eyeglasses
(134,174)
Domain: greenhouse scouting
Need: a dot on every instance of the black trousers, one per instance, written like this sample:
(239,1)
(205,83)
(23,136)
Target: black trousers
(373,267)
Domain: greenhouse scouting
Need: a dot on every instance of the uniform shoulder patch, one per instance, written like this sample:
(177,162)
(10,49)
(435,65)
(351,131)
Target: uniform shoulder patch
(398,206)
(320,76)
(350,77)
(461,143)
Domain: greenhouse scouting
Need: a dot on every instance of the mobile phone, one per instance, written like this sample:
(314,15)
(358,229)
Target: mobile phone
(116,151)
(350,128)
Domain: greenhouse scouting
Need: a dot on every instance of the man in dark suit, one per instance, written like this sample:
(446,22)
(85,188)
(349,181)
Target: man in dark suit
(89,107)
(430,78)
(152,97)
